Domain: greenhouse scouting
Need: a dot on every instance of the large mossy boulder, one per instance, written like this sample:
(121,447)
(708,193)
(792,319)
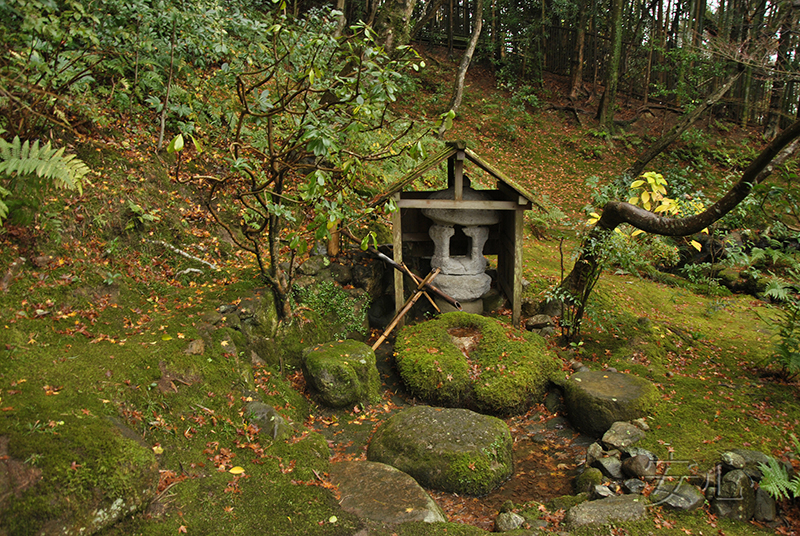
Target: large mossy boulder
(596,399)
(449,449)
(82,480)
(343,373)
(470,361)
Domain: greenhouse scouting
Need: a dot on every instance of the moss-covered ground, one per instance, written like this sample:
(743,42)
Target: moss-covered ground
(94,326)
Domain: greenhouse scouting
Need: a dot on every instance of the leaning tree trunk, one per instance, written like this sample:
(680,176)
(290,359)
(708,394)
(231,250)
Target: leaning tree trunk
(588,266)
(458,86)
(664,141)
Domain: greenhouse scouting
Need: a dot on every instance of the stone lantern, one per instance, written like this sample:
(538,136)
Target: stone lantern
(457,226)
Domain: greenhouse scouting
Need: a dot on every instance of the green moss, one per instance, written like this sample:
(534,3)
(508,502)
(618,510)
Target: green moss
(505,371)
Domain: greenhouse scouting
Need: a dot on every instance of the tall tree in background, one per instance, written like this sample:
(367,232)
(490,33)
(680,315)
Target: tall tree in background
(458,85)
(393,23)
(608,104)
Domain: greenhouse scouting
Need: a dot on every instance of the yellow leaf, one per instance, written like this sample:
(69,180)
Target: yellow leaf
(633,200)
(166,337)
(645,197)
(696,245)
(637,184)
(637,232)
(236,470)
(158,449)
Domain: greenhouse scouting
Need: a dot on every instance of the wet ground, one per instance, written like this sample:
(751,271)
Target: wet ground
(547,451)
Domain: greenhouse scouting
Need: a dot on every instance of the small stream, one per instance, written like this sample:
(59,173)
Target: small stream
(547,451)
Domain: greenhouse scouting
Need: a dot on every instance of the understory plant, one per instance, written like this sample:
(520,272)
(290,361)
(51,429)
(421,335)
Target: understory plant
(777,481)
(29,171)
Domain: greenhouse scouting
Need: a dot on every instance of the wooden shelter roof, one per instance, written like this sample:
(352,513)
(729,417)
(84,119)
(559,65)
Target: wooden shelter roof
(451,149)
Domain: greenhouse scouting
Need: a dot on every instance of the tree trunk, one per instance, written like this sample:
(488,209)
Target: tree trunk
(606,112)
(393,23)
(777,95)
(458,86)
(615,213)
(577,56)
(664,141)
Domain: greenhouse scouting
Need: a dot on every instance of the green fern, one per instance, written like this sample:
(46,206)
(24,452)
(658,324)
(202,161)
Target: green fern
(28,170)
(776,479)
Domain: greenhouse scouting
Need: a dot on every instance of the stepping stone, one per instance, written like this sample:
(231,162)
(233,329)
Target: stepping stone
(449,449)
(381,493)
(608,510)
(595,399)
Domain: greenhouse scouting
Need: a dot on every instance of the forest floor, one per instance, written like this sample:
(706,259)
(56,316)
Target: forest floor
(99,314)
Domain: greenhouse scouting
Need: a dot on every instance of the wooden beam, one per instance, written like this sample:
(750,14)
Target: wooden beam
(458,205)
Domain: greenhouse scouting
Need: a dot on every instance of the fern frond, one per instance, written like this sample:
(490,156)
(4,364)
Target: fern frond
(776,481)
(23,158)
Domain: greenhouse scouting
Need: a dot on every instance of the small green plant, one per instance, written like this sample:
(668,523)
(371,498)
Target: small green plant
(776,480)
(110,278)
(329,300)
(139,217)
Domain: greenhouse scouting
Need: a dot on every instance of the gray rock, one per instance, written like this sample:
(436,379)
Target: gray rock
(639,466)
(445,216)
(641,423)
(369,277)
(731,460)
(636,451)
(597,399)
(633,485)
(343,373)
(269,421)
(622,435)
(608,510)
(554,401)
(677,495)
(493,300)
(195,347)
(735,498)
(601,492)
(313,265)
(508,521)
(449,449)
(593,452)
(610,466)
(539,321)
(259,315)
(381,493)
(751,460)
(588,479)
(766,509)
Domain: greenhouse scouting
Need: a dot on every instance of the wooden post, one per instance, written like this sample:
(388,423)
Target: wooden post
(397,241)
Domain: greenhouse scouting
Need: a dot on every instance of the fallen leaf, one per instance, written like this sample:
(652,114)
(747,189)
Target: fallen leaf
(236,470)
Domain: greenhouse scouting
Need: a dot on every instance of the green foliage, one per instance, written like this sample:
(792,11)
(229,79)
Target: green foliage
(786,351)
(311,116)
(29,171)
(776,479)
(330,301)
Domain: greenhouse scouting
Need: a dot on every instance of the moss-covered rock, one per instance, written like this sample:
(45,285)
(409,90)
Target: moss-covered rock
(470,361)
(453,450)
(343,373)
(92,474)
(597,399)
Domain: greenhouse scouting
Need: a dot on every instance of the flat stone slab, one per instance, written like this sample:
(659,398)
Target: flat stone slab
(449,449)
(608,510)
(595,399)
(382,493)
